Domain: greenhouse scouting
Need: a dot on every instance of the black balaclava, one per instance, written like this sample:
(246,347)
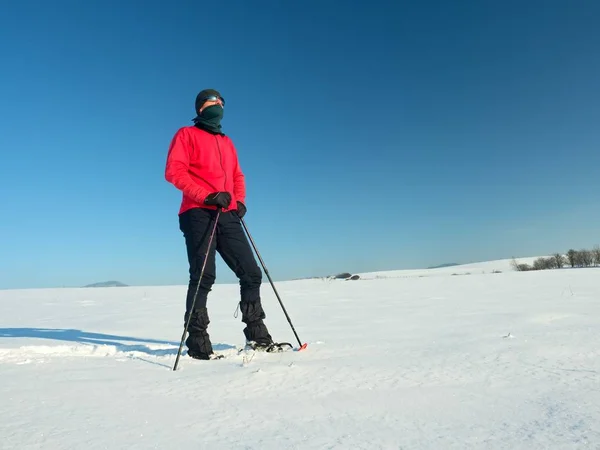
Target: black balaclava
(210,118)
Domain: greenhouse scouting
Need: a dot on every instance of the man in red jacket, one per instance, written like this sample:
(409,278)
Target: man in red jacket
(202,162)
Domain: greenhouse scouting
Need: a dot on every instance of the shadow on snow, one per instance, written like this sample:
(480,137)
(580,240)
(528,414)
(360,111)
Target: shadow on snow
(132,344)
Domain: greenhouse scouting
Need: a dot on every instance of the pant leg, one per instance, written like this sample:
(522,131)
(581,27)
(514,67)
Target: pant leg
(196,225)
(234,248)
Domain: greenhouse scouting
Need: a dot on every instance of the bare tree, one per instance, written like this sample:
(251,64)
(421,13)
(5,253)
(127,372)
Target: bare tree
(572,257)
(520,267)
(586,258)
(544,264)
(559,260)
(550,263)
(514,264)
(596,253)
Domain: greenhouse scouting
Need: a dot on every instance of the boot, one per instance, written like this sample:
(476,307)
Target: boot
(198,341)
(256,331)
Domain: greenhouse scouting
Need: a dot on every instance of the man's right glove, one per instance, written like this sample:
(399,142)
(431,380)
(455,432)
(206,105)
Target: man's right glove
(241,209)
(221,199)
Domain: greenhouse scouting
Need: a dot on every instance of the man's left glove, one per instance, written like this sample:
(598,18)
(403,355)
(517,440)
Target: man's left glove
(241,209)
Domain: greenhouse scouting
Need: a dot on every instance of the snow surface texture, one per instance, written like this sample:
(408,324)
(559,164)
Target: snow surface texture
(397,360)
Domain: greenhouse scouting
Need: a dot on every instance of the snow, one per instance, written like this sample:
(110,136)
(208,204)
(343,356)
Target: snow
(402,359)
(502,265)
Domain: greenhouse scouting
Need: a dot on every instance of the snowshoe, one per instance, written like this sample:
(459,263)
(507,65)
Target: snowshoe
(272,347)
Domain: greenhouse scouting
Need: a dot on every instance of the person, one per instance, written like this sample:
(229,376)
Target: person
(202,163)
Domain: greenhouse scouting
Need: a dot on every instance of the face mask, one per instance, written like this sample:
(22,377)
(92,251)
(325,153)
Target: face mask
(210,119)
(213,113)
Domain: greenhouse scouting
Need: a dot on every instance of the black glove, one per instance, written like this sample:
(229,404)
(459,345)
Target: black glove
(220,199)
(241,209)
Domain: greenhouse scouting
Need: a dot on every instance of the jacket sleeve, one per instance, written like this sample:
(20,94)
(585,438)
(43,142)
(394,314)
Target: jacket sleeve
(177,168)
(239,181)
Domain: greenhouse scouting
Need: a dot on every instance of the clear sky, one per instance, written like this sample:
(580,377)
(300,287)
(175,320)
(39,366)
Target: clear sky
(373,135)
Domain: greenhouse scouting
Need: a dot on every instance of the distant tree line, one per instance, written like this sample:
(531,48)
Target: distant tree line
(573,258)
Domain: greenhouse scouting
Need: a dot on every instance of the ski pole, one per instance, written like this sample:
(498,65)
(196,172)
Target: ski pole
(302,346)
(187,323)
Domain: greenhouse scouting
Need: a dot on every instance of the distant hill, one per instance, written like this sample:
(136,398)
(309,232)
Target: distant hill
(444,265)
(106,284)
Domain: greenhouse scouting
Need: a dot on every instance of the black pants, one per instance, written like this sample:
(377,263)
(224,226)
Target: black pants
(230,242)
(233,246)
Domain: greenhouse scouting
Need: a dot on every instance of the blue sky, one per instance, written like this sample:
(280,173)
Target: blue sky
(373,135)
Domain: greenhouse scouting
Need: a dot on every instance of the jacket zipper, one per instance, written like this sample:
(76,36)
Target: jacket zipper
(221,161)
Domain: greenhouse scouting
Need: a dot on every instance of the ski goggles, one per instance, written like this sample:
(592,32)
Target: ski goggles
(214,98)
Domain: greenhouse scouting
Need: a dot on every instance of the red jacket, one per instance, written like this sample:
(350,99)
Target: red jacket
(199,163)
